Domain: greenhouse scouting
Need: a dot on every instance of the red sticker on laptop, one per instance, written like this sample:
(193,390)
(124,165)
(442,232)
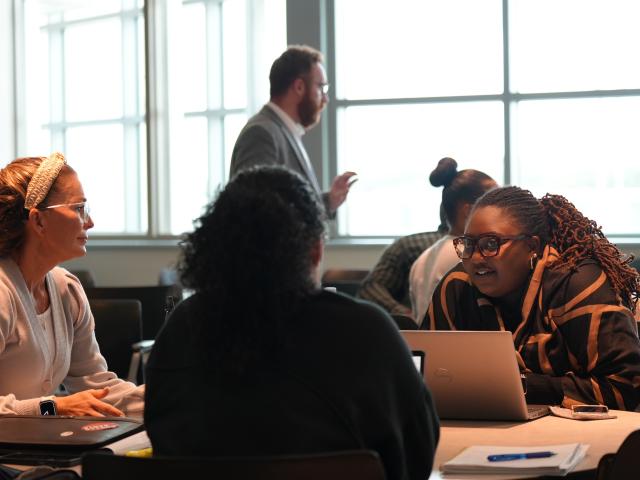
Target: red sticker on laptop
(97,426)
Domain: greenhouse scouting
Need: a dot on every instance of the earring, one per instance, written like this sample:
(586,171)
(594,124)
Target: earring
(534,258)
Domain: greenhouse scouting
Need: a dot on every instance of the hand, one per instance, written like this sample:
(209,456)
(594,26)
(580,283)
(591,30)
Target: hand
(86,403)
(340,189)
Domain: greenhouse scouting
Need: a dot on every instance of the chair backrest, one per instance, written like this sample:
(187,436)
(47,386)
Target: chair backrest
(152,298)
(361,465)
(623,465)
(118,327)
(344,280)
(85,276)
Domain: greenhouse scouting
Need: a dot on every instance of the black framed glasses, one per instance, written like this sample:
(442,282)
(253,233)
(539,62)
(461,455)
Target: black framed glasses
(488,245)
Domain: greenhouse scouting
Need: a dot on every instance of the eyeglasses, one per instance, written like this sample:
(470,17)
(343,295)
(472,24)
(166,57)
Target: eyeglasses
(81,208)
(324,87)
(488,245)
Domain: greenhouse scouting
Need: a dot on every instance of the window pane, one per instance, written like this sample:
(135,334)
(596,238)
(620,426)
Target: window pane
(189,179)
(93,70)
(574,45)
(192,68)
(418,48)
(232,126)
(95,152)
(88,8)
(587,150)
(394,148)
(37,82)
(234,54)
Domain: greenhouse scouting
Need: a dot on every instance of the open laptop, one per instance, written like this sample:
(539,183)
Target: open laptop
(473,375)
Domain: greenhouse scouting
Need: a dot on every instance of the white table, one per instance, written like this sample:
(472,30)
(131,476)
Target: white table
(602,436)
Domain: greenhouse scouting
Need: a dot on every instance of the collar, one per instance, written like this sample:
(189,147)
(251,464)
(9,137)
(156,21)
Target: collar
(294,127)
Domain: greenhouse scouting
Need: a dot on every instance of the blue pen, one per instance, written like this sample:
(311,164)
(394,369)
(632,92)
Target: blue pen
(504,457)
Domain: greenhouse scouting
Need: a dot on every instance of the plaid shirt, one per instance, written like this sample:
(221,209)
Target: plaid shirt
(388,283)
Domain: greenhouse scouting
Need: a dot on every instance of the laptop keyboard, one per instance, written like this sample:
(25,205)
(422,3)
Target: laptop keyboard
(537,411)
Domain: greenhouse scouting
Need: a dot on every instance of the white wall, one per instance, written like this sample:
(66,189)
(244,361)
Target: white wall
(121,266)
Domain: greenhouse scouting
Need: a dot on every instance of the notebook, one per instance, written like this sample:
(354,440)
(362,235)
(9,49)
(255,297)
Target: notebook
(473,375)
(58,440)
(561,460)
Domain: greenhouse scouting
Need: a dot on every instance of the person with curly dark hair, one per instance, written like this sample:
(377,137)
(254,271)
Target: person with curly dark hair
(461,189)
(543,271)
(261,361)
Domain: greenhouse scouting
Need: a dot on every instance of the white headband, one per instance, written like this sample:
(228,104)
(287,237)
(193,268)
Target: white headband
(43,179)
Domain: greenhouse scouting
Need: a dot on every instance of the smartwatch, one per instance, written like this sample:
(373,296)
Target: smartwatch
(48,407)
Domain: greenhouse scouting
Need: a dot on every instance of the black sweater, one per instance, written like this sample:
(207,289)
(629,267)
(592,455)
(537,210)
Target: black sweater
(348,382)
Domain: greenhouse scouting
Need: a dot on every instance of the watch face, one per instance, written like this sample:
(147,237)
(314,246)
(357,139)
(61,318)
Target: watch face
(47,407)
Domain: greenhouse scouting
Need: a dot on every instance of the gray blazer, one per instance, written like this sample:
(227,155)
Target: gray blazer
(266,140)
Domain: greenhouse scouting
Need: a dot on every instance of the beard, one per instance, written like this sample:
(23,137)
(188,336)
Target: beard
(308,112)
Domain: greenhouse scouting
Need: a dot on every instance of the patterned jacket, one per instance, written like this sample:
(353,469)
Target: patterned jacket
(572,328)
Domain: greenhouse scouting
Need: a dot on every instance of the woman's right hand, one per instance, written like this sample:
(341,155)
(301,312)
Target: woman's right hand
(86,403)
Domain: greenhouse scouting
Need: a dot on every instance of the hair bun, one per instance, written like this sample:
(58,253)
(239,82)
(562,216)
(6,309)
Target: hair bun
(444,173)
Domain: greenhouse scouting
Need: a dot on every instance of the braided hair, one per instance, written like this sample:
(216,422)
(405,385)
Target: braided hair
(557,221)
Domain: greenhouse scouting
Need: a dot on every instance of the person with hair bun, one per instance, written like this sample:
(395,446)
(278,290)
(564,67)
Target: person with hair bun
(46,326)
(261,361)
(461,190)
(543,271)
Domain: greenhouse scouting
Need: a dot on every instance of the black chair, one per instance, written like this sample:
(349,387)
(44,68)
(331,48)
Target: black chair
(623,465)
(153,300)
(344,280)
(86,278)
(350,465)
(119,333)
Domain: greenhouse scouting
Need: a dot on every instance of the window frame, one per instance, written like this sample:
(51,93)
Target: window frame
(325,17)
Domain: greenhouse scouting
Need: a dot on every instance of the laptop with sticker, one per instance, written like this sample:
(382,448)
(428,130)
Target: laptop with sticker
(473,375)
(59,440)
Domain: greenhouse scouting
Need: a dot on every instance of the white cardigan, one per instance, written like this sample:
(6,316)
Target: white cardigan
(28,370)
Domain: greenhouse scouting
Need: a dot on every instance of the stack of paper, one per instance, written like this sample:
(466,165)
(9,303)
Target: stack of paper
(475,459)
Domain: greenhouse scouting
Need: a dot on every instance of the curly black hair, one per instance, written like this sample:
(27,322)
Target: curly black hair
(249,258)
(557,221)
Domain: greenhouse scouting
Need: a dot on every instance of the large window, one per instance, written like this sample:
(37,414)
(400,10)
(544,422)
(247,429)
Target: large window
(84,91)
(146,99)
(82,80)
(212,90)
(538,93)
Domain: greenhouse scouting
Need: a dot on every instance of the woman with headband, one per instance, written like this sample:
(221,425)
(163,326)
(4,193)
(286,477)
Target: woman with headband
(46,326)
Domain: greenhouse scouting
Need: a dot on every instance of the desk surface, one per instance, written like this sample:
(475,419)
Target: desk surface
(602,436)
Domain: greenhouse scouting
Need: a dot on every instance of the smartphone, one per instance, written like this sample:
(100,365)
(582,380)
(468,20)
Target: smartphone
(589,411)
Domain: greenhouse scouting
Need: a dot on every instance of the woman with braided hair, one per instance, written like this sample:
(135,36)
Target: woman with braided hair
(46,326)
(546,273)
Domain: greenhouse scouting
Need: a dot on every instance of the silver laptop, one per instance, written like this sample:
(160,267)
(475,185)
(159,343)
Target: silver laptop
(473,375)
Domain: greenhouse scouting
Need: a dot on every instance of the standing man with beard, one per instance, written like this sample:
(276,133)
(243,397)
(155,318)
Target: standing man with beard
(274,135)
